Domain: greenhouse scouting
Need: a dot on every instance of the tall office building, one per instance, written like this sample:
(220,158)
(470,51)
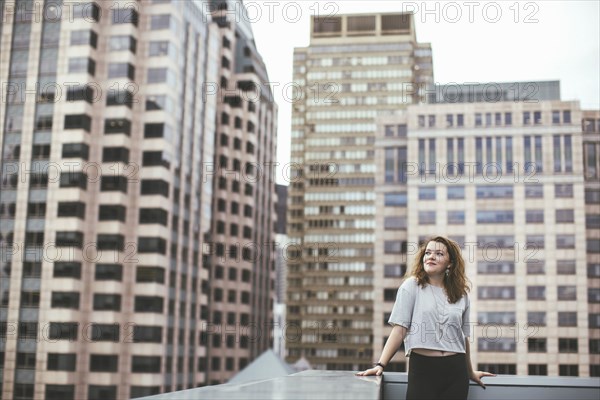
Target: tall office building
(356,68)
(591,175)
(108,127)
(242,257)
(505,179)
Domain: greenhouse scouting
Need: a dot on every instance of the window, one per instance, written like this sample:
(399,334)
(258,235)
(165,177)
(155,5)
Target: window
(147,334)
(565,267)
(534,216)
(427,193)
(115,154)
(500,344)
(563,190)
(26,360)
(152,245)
(60,392)
(495,217)
(496,292)
(567,292)
(158,22)
(534,191)
(109,272)
(78,121)
(155,186)
(155,158)
(427,217)
(120,97)
(65,300)
(104,363)
(110,242)
(119,125)
(73,180)
(495,267)
(567,318)
(107,302)
(456,192)
(111,212)
(122,43)
(82,65)
(153,216)
(158,48)
(126,15)
(536,318)
(104,332)
(395,199)
(394,247)
(102,392)
(152,304)
(150,274)
(61,362)
(565,216)
(30,299)
(568,345)
(536,293)
(565,241)
(536,345)
(395,223)
(63,331)
(64,269)
(34,239)
(84,37)
(568,370)
(147,364)
(537,369)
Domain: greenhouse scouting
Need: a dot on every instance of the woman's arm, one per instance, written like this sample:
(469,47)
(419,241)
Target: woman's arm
(474,375)
(391,346)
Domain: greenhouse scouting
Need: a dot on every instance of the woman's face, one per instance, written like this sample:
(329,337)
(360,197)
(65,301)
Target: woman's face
(436,258)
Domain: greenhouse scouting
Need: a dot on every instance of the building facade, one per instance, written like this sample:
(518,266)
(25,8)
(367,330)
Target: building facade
(591,174)
(505,179)
(242,256)
(109,139)
(356,68)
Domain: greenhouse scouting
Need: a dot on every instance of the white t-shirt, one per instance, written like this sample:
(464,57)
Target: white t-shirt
(432,322)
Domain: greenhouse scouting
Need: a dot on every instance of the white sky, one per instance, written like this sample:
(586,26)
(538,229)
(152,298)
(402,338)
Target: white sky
(530,40)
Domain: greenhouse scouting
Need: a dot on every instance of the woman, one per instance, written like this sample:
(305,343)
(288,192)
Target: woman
(431,316)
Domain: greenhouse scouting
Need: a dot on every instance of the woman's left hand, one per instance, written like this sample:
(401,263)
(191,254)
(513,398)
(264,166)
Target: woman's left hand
(477,375)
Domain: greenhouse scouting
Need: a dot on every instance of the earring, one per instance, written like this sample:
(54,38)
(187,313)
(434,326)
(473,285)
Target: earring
(447,272)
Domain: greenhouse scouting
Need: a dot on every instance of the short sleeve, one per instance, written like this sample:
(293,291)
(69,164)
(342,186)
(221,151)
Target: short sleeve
(404,305)
(466,326)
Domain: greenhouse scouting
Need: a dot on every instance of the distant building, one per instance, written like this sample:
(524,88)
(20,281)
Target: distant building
(281,246)
(356,68)
(242,260)
(111,207)
(506,181)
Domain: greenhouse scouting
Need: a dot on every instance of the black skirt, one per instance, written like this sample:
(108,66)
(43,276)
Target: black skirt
(437,377)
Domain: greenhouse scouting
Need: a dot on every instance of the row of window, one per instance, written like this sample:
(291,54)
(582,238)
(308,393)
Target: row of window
(80,180)
(92,332)
(95,392)
(538,369)
(98,362)
(455,192)
(562,216)
(497,119)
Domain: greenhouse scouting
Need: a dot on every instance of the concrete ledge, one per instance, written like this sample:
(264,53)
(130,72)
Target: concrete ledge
(313,384)
(510,387)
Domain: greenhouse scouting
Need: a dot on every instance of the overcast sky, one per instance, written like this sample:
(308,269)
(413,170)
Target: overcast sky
(472,41)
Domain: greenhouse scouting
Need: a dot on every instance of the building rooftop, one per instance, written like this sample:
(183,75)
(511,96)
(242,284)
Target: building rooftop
(345,385)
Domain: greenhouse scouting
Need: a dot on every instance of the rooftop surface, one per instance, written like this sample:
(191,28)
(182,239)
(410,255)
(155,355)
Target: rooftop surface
(332,385)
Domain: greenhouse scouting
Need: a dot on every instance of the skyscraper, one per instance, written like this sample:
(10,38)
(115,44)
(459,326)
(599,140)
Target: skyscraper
(356,68)
(109,118)
(242,255)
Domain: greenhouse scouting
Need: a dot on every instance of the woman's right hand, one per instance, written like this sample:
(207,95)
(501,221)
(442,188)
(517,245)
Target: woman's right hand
(377,370)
